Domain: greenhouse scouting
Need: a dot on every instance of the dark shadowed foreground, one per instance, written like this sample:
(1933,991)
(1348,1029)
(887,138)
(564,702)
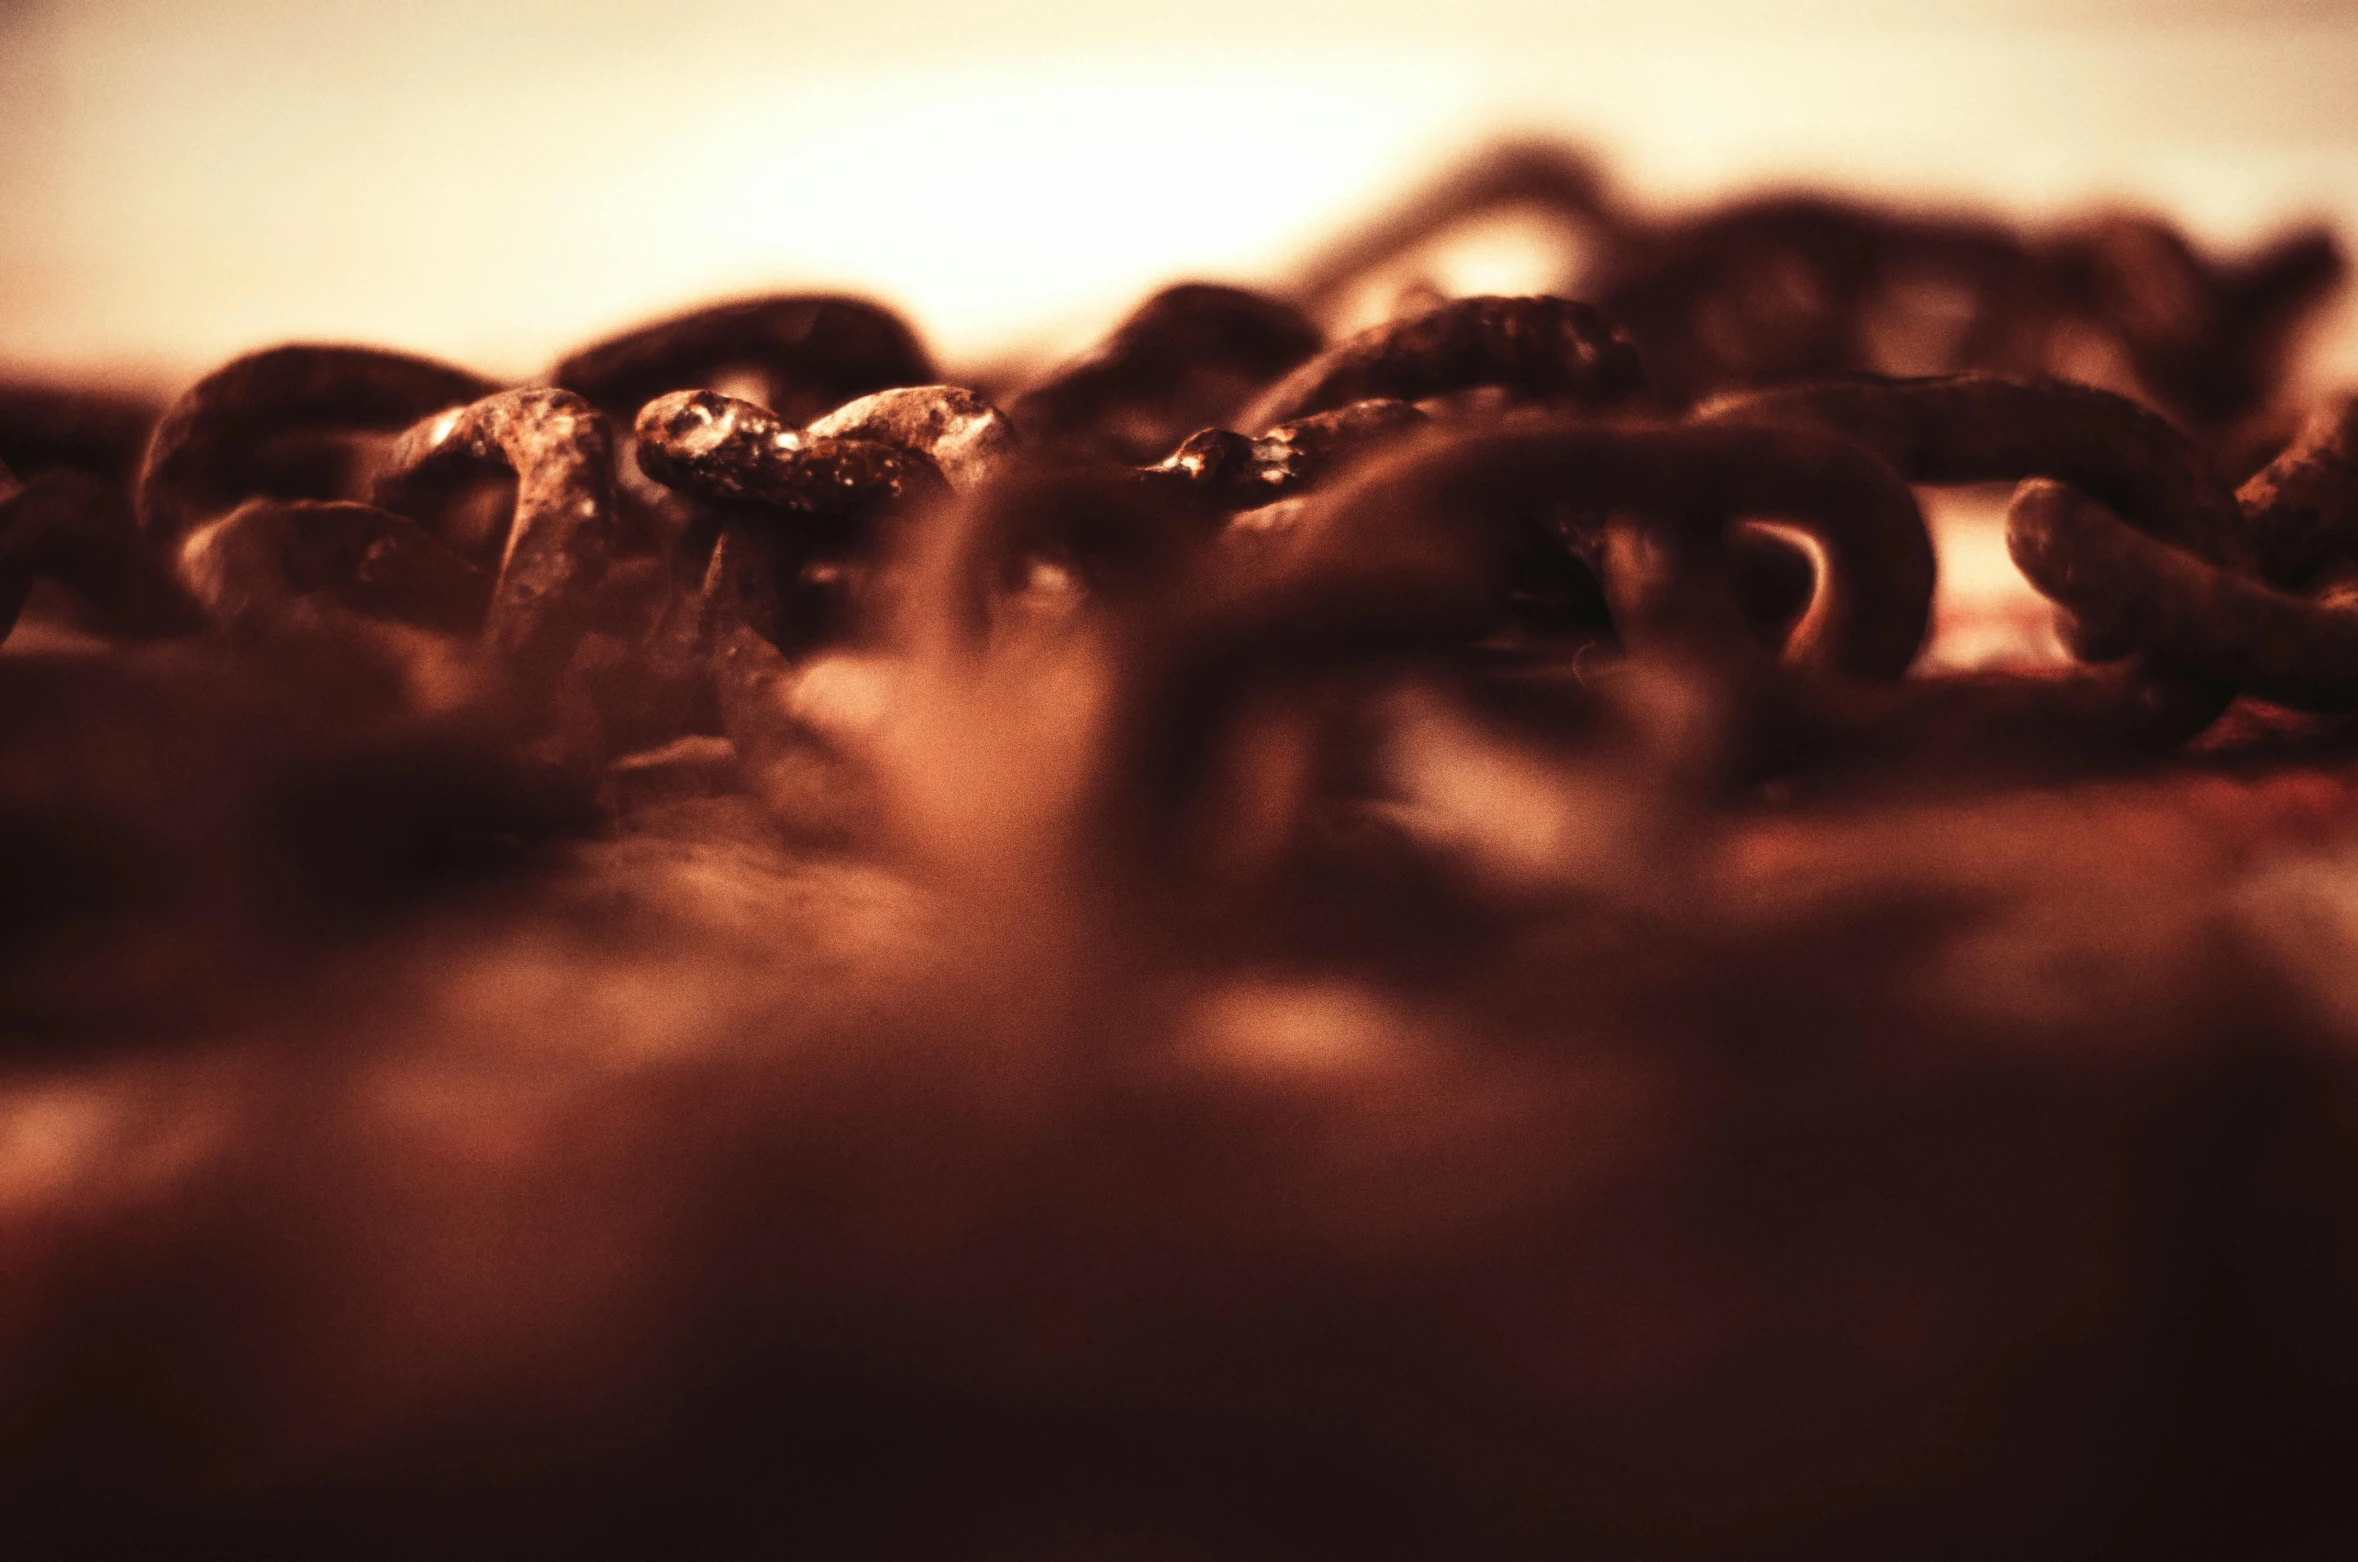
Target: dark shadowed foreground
(1946,1177)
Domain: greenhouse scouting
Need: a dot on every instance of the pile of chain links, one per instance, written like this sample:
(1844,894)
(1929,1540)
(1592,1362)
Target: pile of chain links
(1489,490)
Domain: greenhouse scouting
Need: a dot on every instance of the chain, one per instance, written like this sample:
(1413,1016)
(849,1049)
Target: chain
(1470,491)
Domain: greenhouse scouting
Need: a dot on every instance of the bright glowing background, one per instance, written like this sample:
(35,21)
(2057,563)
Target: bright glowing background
(495,182)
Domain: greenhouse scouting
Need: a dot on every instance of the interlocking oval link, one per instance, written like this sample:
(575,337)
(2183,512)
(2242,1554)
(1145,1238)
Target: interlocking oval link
(951,426)
(1979,428)
(220,442)
(561,533)
(1430,534)
(787,591)
(2183,610)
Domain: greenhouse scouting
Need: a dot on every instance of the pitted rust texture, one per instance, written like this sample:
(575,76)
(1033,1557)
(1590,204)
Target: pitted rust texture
(1553,350)
(561,534)
(791,582)
(758,543)
(960,432)
(798,514)
(255,568)
(1233,472)
(812,352)
(215,447)
(717,447)
(1189,357)
(791,569)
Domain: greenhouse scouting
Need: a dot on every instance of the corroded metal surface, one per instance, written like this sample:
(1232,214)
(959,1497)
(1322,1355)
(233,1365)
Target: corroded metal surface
(961,433)
(561,533)
(1234,472)
(722,448)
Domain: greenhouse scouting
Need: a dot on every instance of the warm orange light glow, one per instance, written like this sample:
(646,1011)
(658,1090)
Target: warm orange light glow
(496,183)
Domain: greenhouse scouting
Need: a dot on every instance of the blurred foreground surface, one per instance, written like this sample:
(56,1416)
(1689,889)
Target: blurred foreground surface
(1943,1176)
